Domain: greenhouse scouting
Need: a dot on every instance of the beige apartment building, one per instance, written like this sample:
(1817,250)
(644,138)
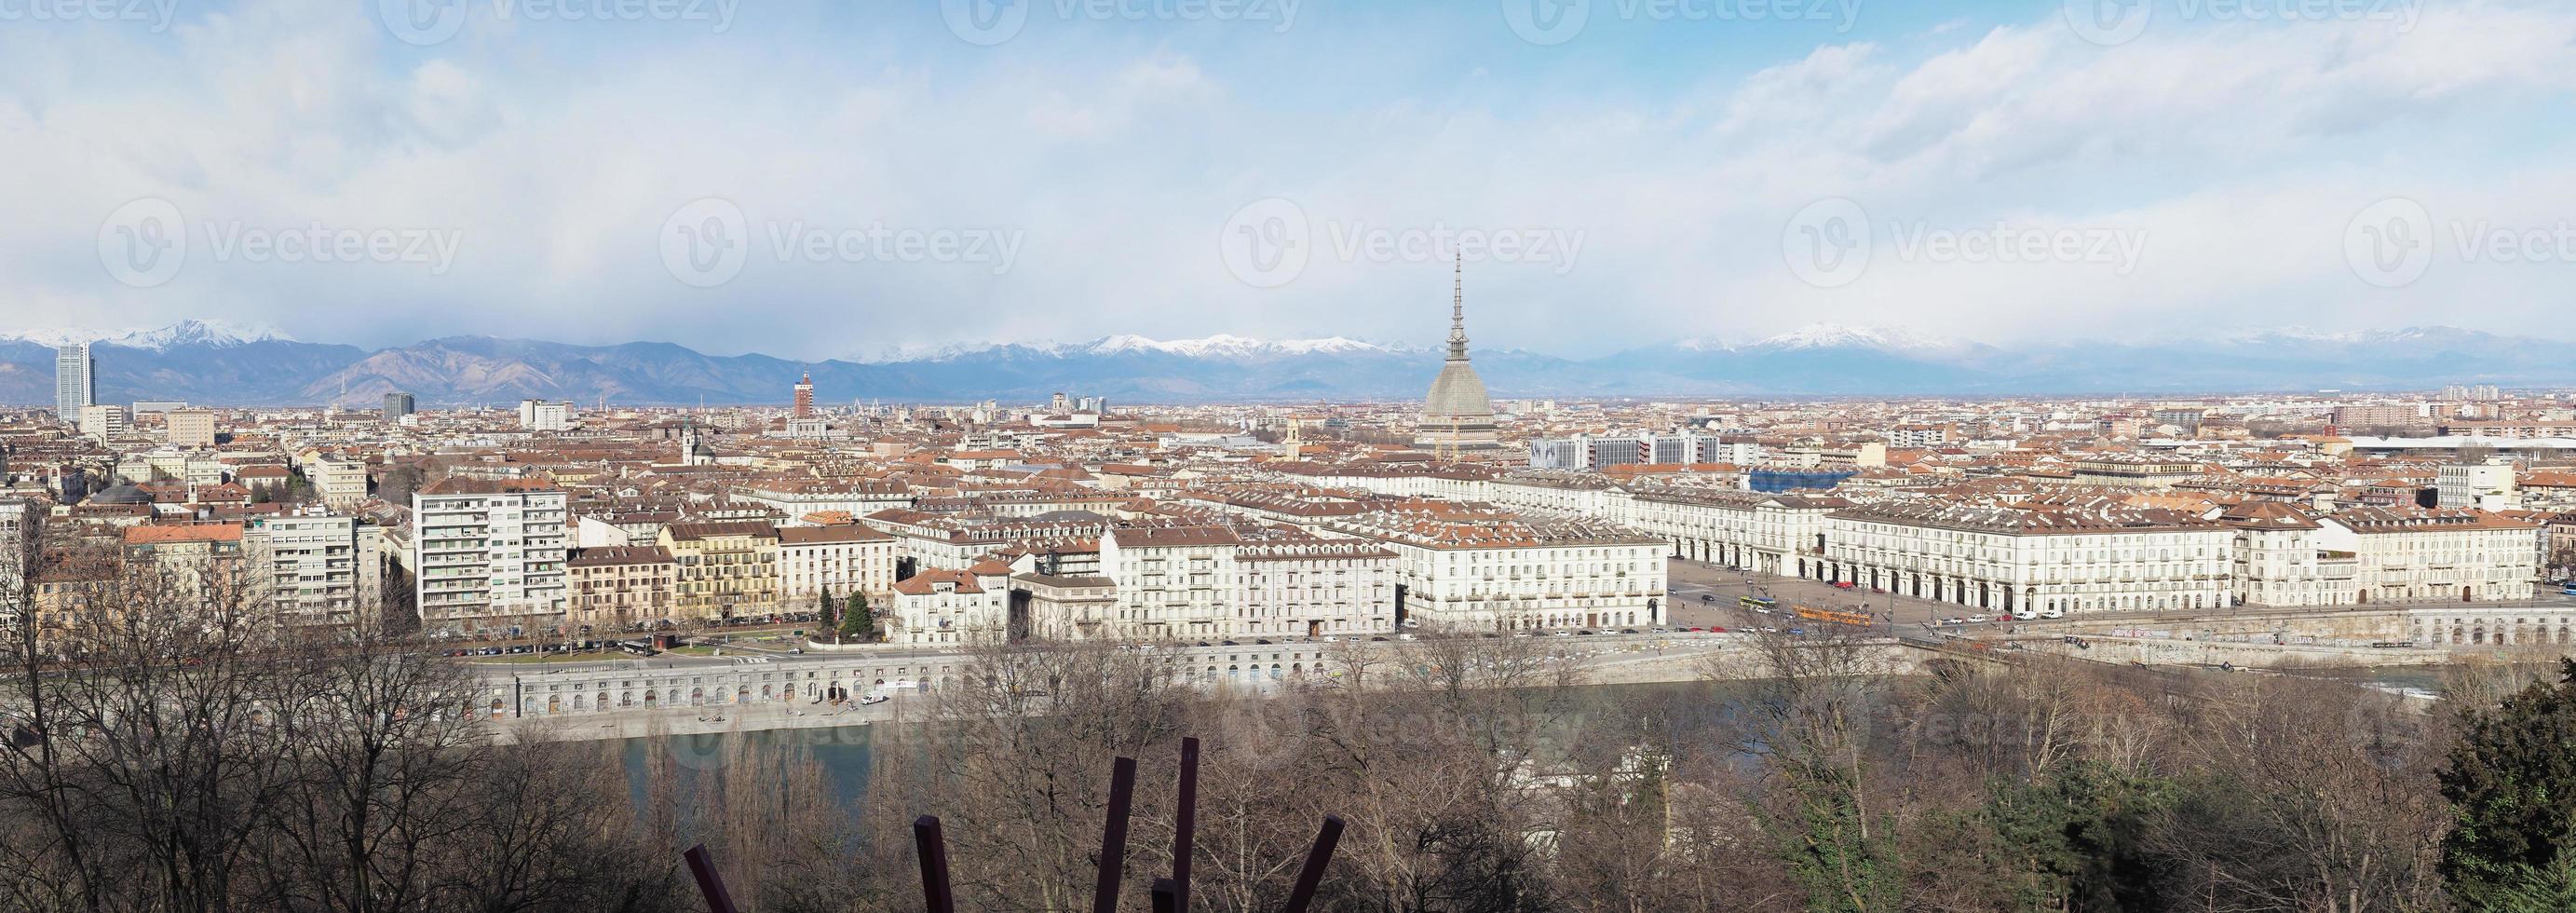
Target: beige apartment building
(724,569)
(191,427)
(618,587)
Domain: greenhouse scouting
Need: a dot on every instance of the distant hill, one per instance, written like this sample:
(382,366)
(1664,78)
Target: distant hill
(215,363)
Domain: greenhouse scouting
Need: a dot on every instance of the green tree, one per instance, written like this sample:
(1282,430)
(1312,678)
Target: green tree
(2511,783)
(859,622)
(2071,839)
(823,617)
(1840,852)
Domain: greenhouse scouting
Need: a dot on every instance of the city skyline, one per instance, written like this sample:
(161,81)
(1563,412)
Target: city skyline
(1643,176)
(1563,455)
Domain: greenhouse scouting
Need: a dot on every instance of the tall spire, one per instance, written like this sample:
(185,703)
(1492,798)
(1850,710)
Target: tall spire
(1458,309)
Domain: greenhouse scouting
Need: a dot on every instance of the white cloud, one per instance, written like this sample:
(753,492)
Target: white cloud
(2239,151)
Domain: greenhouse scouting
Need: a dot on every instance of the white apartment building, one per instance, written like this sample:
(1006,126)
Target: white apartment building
(1299,586)
(340,482)
(2448,556)
(489,554)
(1500,572)
(2004,558)
(315,570)
(1918,436)
(1173,583)
(1201,582)
(2279,560)
(2483,486)
(104,421)
(545,415)
(1745,530)
(950,608)
(1560,494)
(159,463)
(840,560)
(799,497)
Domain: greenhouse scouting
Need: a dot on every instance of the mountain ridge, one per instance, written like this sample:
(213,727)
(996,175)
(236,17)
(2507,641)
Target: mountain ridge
(222,363)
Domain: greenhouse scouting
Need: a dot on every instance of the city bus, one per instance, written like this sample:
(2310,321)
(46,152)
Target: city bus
(1757,603)
(1841,618)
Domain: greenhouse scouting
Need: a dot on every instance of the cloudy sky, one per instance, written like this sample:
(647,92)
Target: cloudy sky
(839,178)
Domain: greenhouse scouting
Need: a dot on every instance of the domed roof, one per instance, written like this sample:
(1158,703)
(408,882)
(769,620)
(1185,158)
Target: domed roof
(1457,394)
(122,494)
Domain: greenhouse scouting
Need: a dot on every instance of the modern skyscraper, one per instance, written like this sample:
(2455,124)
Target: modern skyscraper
(399,404)
(805,395)
(75,381)
(1457,416)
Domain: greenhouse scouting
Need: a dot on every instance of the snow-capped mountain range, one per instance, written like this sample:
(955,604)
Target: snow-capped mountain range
(216,333)
(225,363)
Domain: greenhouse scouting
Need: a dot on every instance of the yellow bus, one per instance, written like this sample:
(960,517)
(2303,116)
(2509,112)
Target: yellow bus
(1841,618)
